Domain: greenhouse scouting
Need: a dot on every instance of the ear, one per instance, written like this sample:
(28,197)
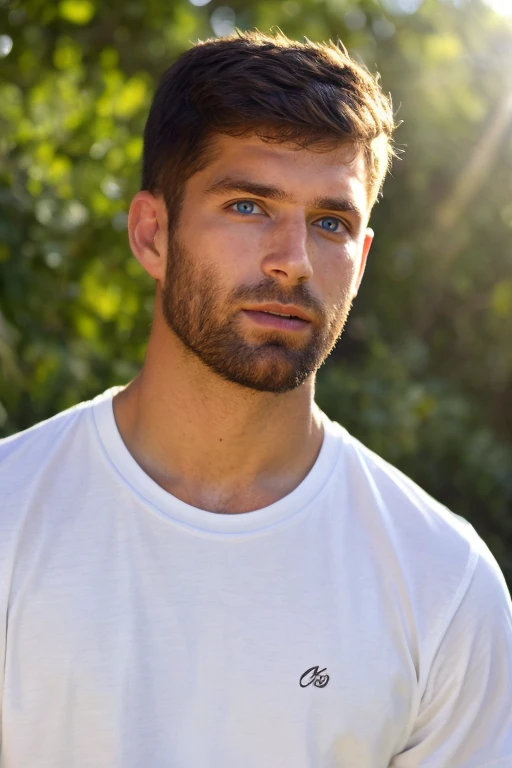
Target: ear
(147,230)
(367,242)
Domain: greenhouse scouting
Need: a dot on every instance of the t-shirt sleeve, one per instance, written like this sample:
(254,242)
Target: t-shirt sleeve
(3,620)
(465,716)
(3,633)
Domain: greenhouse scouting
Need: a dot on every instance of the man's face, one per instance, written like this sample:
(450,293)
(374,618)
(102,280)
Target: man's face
(267,229)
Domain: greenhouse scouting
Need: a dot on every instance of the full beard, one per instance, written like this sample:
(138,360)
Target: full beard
(194,309)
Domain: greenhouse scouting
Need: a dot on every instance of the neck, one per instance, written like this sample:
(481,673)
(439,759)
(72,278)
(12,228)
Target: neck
(216,445)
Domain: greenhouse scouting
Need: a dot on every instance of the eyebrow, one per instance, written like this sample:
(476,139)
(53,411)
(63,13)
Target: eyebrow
(233,184)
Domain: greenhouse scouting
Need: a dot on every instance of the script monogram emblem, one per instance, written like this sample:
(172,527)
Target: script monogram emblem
(313,675)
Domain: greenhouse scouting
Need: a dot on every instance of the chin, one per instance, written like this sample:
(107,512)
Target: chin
(270,378)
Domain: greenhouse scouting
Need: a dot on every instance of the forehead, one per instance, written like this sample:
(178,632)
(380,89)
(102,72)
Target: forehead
(304,173)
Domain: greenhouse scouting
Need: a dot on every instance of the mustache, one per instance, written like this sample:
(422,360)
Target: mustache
(268,290)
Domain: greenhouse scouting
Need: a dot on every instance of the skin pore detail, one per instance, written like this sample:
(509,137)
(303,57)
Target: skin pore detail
(254,285)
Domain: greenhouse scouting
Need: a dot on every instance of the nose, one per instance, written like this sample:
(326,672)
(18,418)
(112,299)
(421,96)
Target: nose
(287,259)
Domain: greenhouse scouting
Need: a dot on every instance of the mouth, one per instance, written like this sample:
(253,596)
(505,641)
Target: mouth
(290,311)
(276,320)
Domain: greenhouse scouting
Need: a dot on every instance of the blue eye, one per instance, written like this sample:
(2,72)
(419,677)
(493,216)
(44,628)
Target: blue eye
(245,206)
(332,224)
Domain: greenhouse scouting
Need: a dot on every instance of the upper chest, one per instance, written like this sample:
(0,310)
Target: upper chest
(278,638)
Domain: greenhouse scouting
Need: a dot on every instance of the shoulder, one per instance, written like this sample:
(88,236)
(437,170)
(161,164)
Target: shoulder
(26,456)
(40,435)
(431,557)
(30,463)
(402,502)
(436,551)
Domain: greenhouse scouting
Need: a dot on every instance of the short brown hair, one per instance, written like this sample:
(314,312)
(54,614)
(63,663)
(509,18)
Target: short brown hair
(281,90)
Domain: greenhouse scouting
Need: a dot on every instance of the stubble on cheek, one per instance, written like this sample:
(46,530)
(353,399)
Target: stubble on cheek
(200,313)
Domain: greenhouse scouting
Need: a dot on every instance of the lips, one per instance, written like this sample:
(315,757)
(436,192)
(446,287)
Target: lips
(275,321)
(290,311)
(277,314)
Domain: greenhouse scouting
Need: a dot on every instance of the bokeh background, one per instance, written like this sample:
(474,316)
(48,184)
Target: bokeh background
(423,373)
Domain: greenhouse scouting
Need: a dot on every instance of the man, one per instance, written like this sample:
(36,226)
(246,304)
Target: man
(200,569)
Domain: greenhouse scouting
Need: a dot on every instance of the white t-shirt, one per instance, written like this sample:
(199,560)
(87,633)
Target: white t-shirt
(355,623)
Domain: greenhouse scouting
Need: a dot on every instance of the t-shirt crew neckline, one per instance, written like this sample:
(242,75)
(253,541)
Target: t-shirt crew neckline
(164,502)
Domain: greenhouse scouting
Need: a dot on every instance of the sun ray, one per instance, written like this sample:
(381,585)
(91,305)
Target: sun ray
(503,7)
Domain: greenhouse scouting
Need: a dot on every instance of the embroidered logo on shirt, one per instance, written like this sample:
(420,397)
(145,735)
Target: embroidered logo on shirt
(313,675)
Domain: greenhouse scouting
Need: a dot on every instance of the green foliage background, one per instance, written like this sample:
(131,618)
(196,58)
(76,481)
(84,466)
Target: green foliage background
(423,373)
